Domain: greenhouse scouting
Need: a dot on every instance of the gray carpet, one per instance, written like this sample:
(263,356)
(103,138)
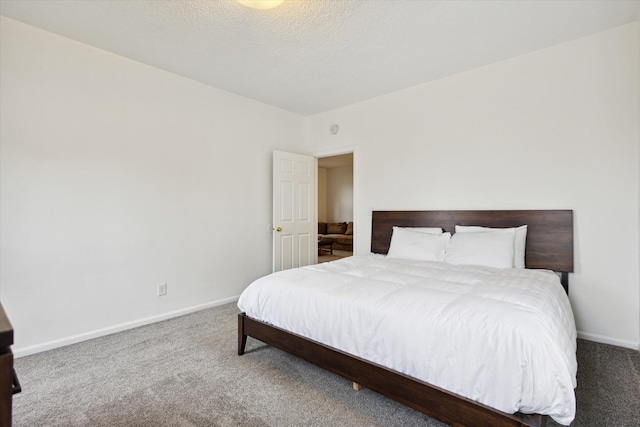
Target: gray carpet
(185,372)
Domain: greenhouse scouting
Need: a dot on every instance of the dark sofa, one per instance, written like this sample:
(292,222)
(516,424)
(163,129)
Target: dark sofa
(341,233)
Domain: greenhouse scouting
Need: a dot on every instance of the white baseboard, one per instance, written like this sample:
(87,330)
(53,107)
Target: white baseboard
(50,345)
(608,340)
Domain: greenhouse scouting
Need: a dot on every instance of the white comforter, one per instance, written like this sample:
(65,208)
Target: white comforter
(502,337)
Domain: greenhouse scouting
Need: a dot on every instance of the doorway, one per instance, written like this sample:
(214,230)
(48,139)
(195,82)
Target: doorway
(335,207)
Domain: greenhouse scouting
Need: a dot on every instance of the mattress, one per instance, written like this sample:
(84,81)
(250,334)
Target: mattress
(502,337)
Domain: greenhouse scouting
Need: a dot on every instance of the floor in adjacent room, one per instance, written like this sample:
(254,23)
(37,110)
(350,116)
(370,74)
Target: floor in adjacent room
(337,254)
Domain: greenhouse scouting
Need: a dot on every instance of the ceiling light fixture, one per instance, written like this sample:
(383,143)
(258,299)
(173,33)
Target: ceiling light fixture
(261,4)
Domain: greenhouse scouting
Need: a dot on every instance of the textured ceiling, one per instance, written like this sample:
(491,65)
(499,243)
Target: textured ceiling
(310,56)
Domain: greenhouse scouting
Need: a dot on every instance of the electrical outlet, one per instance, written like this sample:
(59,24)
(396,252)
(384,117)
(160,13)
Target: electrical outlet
(162,289)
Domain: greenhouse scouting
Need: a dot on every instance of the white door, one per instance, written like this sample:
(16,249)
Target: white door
(295,230)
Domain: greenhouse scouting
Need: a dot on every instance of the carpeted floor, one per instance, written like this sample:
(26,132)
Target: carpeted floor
(185,372)
(337,254)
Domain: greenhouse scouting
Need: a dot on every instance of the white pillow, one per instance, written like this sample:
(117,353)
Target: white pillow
(417,245)
(430,230)
(520,240)
(489,248)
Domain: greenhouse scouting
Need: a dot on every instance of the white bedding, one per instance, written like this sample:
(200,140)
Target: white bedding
(502,337)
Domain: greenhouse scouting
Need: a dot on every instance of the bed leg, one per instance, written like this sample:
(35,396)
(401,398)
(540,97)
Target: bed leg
(242,338)
(532,420)
(357,387)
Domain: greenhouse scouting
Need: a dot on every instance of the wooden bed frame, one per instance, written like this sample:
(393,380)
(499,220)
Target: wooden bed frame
(549,246)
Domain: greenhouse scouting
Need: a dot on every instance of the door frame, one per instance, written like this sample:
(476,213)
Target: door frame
(338,152)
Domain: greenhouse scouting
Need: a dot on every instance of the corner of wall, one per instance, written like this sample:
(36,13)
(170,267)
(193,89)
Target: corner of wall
(637,73)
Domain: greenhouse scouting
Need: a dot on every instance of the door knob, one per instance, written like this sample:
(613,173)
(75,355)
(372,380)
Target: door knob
(278,229)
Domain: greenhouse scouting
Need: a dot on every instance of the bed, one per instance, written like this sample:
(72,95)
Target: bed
(369,360)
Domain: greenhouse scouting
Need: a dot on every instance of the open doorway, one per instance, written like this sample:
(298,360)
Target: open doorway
(335,207)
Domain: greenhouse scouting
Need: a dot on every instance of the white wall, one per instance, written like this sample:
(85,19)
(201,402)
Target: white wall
(340,194)
(557,128)
(638,85)
(115,177)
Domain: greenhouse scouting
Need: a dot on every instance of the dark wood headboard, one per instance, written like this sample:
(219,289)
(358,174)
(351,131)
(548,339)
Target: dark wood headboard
(549,232)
